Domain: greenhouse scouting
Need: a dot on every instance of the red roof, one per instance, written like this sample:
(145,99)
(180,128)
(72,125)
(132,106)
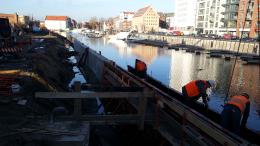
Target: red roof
(128,12)
(61,18)
(141,12)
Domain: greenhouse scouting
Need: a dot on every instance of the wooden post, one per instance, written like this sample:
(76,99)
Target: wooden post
(141,109)
(77,102)
(184,122)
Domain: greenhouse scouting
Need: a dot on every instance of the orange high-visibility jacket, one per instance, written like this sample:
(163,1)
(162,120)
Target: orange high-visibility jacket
(239,101)
(192,89)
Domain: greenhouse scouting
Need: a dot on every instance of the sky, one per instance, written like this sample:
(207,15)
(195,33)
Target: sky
(80,10)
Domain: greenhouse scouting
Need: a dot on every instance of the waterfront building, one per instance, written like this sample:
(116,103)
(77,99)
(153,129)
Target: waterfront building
(185,11)
(162,20)
(230,16)
(23,20)
(166,19)
(240,12)
(13,18)
(247,14)
(107,26)
(209,14)
(116,23)
(126,19)
(57,22)
(170,20)
(42,25)
(146,20)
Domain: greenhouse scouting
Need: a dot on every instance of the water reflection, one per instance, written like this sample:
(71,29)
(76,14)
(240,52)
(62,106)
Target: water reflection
(176,68)
(145,53)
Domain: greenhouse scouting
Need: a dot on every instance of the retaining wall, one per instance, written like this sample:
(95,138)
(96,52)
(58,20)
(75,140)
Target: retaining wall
(94,61)
(208,44)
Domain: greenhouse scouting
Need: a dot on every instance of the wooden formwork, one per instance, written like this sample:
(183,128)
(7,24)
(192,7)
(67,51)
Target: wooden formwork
(78,96)
(208,131)
(205,131)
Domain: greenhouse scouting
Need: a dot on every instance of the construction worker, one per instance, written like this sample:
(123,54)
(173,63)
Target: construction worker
(196,89)
(234,110)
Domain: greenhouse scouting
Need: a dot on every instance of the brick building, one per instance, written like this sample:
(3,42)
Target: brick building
(247,16)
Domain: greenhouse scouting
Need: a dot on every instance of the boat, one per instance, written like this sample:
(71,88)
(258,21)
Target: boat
(252,61)
(174,47)
(216,55)
(156,43)
(199,107)
(94,35)
(249,57)
(186,47)
(197,52)
(122,35)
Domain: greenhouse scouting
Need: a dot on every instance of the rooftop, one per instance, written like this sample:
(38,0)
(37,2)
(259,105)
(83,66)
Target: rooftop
(128,12)
(61,18)
(141,11)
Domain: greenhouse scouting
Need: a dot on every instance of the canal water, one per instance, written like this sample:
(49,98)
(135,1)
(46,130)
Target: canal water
(176,68)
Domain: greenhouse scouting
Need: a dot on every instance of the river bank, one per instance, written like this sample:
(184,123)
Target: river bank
(208,44)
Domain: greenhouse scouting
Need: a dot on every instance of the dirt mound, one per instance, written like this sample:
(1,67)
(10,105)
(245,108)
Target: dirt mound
(50,63)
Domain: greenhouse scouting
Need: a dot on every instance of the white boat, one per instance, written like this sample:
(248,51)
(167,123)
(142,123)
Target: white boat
(122,35)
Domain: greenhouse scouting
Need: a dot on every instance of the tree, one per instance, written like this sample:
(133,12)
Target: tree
(93,22)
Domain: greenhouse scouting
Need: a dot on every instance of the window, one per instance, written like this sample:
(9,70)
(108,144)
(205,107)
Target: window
(200,18)
(211,25)
(200,24)
(201,5)
(201,12)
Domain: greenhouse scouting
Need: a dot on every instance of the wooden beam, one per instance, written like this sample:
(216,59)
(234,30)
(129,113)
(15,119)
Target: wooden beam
(103,119)
(111,80)
(141,110)
(98,88)
(114,76)
(77,101)
(75,95)
(210,128)
(124,73)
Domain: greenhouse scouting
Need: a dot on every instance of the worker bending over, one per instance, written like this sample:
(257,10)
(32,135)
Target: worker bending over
(196,89)
(234,111)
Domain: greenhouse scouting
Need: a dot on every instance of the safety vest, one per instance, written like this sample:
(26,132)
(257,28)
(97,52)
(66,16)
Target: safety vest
(140,66)
(239,101)
(192,89)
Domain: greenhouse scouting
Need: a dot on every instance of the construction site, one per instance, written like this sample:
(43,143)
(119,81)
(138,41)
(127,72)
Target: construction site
(43,104)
